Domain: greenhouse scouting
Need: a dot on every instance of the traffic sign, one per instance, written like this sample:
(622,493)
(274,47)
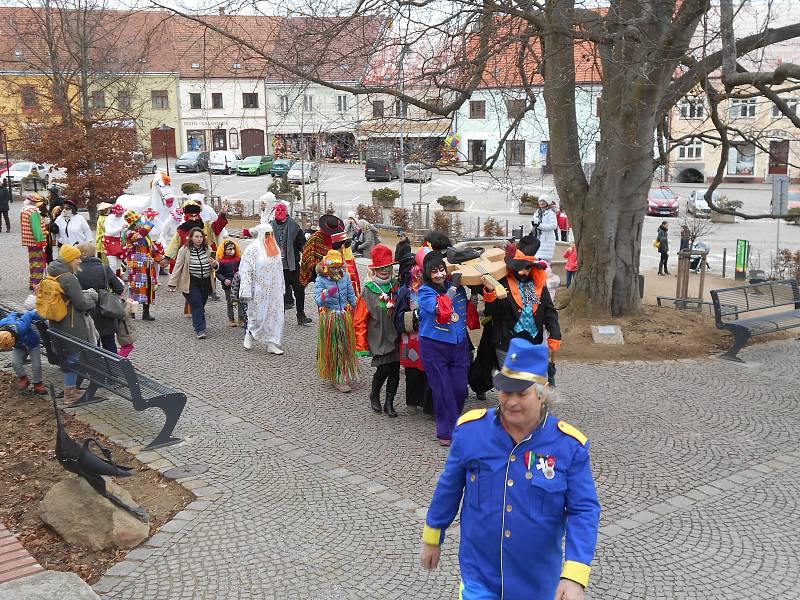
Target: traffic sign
(780,195)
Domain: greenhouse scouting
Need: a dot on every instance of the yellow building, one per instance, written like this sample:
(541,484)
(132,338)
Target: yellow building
(767,143)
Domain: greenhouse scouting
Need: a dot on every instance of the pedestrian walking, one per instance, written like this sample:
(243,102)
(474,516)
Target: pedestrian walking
(142,256)
(662,239)
(33,231)
(290,239)
(193,277)
(97,276)
(686,238)
(563,223)
(376,335)
(539,465)
(229,257)
(5,200)
(261,288)
(544,228)
(18,334)
(572,263)
(444,343)
(76,302)
(70,227)
(336,338)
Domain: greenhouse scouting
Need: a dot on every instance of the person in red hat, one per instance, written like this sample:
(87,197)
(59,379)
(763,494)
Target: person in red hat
(376,335)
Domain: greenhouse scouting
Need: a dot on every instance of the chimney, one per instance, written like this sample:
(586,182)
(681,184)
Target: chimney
(221,11)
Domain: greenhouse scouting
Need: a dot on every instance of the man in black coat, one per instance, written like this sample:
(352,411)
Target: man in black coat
(290,239)
(5,200)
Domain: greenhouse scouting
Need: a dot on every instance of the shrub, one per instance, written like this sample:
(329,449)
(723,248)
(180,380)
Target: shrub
(726,203)
(447,201)
(527,198)
(492,228)
(448,223)
(794,216)
(385,195)
(190,188)
(401,218)
(371,214)
(281,185)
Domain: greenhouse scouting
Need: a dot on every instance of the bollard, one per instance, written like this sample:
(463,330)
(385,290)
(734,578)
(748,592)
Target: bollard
(724,260)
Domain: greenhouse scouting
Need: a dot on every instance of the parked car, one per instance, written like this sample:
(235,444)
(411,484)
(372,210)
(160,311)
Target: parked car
(697,204)
(148,168)
(255,165)
(417,172)
(4,166)
(21,170)
(281,167)
(192,161)
(381,168)
(303,172)
(662,202)
(223,161)
(793,198)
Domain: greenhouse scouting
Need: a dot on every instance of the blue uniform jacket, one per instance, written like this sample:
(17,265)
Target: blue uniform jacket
(453,332)
(24,329)
(339,301)
(514,518)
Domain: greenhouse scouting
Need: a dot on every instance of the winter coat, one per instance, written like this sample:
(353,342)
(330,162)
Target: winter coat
(22,325)
(370,240)
(572,259)
(292,247)
(180,277)
(79,301)
(228,267)
(72,231)
(544,222)
(374,326)
(94,275)
(663,240)
(338,302)
(562,220)
(126,330)
(5,198)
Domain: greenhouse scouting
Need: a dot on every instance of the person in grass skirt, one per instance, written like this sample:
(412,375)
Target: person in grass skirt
(376,335)
(336,337)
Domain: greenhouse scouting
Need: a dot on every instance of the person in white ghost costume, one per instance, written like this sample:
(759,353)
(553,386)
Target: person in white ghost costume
(261,288)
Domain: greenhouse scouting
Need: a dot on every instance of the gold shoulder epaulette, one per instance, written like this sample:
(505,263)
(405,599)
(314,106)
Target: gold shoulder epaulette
(472,415)
(569,430)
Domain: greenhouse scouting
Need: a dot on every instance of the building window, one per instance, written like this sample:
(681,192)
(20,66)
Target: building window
(195,101)
(692,108)
(515,153)
(250,100)
(742,160)
(98,100)
(341,103)
(219,140)
(791,103)
(124,100)
(160,99)
(308,103)
(377,108)
(29,97)
(477,109)
(515,108)
(743,108)
(216,100)
(692,150)
(233,138)
(284,102)
(400,108)
(196,141)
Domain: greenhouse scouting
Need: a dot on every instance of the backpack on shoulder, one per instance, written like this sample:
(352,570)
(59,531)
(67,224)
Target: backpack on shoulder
(50,302)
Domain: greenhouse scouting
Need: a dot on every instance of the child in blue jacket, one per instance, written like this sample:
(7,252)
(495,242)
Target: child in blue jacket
(336,338)
(18,334)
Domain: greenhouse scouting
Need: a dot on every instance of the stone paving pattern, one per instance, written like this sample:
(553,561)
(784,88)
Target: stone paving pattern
(309,495)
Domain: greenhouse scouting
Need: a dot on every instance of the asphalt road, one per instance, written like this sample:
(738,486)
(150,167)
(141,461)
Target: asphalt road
(494,195)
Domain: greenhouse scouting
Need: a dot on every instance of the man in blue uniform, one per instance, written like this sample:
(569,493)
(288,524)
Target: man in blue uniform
(527,482)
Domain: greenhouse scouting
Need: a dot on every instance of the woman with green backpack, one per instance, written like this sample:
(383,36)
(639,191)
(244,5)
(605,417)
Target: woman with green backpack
(63,303)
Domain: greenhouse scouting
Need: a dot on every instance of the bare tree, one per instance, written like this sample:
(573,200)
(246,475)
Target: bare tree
(648,57)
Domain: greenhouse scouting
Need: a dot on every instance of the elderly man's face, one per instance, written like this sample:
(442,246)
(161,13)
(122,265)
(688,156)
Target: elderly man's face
(521,409)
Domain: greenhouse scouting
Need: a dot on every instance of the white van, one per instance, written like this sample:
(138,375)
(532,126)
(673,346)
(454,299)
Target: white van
(223,161)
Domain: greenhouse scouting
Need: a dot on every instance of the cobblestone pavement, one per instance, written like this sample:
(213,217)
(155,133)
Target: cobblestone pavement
(309,495)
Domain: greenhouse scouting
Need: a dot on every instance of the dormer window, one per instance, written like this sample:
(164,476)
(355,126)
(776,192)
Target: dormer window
(237,65)
(17,53)
(195,65)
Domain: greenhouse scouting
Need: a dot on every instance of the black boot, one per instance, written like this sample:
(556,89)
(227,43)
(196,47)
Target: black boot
(146,313)
(302,319)
(391,391)
(375,403)
(375,394)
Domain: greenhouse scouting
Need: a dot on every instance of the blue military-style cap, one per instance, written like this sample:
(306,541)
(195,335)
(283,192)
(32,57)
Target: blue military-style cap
(525,364)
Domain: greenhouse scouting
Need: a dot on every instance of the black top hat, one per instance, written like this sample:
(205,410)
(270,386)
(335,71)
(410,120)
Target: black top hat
(330,224)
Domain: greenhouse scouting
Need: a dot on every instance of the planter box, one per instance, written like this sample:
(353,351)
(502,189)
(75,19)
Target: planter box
(722,218)
(527,209)
(382,202)
(457,207)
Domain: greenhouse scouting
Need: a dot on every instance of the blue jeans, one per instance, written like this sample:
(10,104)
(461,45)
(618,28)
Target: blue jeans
(70,377)
(18,358)
(199,291)
(570,276)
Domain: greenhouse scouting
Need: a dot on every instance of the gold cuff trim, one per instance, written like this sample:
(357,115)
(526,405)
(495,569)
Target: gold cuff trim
(523,375)
(577,572)
(431,535)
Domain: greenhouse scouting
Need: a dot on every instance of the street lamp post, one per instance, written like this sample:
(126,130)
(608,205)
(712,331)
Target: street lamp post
(164,128)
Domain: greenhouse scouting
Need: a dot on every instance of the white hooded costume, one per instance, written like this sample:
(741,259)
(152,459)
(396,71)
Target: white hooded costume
(261,288)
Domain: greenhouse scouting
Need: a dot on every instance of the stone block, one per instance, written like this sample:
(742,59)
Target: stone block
(47,586)
(607,334)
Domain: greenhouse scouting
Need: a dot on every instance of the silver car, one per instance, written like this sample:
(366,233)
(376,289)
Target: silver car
(417,172)
(697,204)
(192,161)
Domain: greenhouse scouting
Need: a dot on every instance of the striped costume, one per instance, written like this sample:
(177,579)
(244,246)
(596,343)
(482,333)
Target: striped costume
(35,240)
(142,257)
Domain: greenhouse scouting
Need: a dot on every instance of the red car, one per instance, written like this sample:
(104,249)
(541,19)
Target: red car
(4,166)
(662,202)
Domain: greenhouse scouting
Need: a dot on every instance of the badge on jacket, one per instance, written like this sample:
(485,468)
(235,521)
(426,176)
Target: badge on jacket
(547,465)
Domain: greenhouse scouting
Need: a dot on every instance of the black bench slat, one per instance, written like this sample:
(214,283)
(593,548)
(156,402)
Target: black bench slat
(116,374)
(752,301)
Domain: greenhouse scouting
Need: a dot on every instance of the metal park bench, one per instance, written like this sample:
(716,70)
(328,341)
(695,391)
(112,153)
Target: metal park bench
(104,369)
(761,300)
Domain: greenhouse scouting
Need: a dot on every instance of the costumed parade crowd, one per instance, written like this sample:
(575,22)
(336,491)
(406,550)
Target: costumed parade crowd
(520,476)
